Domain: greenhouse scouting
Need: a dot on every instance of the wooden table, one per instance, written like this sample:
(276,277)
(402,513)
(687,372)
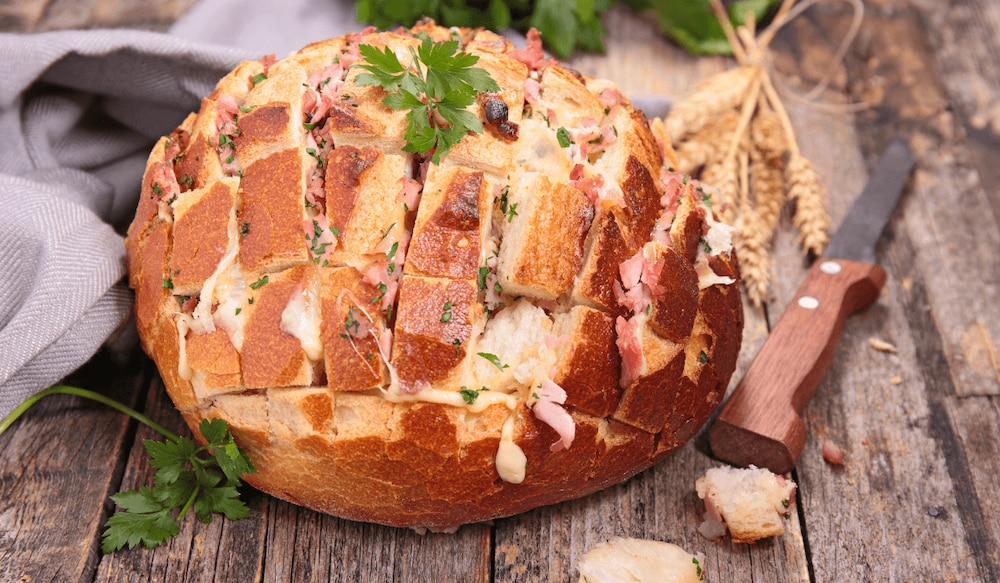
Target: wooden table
(918,498)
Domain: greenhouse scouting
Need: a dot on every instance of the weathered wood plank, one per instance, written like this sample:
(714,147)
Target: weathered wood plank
(224,550)
(306,546)
(57,466)
(902,504)
(955,228)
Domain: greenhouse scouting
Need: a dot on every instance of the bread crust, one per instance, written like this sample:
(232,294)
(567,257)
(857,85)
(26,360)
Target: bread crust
(383,334)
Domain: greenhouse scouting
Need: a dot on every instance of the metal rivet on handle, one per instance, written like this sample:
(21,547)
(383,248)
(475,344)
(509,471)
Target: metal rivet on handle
(830,267)
(809,302)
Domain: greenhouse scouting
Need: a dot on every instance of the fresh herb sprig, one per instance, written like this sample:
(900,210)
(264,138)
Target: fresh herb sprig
(435,90)
(199,479)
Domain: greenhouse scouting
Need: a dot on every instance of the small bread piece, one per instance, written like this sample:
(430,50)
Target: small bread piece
(450,233)
(425,340)
(201,234)
(751,502)
(634,560)
(545,228)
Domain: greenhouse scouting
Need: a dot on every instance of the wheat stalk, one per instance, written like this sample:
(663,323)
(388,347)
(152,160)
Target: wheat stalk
(713,97)
(706,144)
(810,218)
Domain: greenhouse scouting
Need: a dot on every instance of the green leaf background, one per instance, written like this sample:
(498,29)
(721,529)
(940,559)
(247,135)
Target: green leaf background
(567,26)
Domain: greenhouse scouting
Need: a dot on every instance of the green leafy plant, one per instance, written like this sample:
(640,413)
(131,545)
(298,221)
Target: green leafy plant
(569,25)
(435,90)
(203,480)
(693,25)
(565,25)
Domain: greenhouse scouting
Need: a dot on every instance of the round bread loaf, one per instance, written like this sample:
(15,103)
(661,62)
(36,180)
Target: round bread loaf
(545,310)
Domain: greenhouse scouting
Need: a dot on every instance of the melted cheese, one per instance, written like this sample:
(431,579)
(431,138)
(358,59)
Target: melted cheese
(184,369)
(706,277)
(511,462)
(719,236)
(203,320)
(301,318)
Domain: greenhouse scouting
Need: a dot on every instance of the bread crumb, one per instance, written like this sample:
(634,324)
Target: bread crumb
(752,503)
(832,453)
(635,560)
(896,380)
(881,345)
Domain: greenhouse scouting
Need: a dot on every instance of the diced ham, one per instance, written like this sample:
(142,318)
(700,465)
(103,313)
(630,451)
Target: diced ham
(548,410)
(586,182)
(322,242)
(410,192)
(630,349)
(532,88)
(351,52)
(640,282)
(227,109)
(532,55)
(651,275)
(631,270)
(610,98)
(267,61)
(552,341)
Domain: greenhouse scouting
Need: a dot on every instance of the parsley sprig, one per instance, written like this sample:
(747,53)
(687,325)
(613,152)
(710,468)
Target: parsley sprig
(435,89)
(203,480)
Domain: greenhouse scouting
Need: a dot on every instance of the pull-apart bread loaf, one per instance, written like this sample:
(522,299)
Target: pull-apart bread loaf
(541,312)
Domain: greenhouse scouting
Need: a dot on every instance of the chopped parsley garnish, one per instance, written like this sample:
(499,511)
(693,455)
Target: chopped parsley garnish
(382,288)
(350,324)
(469,395)
(446,312)
(435,90)
(248,109)
(702,357)
(309,125)
(493,359)
(168,283)
(563,136)
(157,189)
(259,283)
(483,272)
(511,212)
(319,159)
(258,78)
(244,229)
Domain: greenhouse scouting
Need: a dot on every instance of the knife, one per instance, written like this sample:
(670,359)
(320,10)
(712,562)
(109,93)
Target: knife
(760,423)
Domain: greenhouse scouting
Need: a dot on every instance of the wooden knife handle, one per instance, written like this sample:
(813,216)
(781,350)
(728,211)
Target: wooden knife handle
(760,424)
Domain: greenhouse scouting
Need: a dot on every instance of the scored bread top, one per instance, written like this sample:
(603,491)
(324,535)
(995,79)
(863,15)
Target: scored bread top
(547,310)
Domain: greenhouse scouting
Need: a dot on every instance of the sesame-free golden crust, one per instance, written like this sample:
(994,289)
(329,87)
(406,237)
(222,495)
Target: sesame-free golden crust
(272,210)
(366,407)
(201,236)
(450,227)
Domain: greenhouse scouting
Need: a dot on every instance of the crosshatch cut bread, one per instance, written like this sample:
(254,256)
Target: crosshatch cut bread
(546,311)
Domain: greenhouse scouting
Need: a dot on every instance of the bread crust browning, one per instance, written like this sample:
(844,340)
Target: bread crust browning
(383,334)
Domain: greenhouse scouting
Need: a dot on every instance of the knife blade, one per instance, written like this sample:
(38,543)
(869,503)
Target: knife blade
(761,424)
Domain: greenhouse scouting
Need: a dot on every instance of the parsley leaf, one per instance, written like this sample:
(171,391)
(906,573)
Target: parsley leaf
(202,479)
(435,89)
(493,359)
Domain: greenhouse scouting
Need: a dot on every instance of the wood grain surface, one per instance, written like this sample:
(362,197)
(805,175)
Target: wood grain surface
(918,498)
